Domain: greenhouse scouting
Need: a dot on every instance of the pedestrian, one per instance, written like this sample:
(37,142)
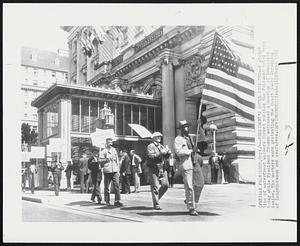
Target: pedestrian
(125,172)
(156,156)
(24,177)
(111,168)
(68,172)
(184,148)
(96,176)
(56,169)
(226,167)
(213,161)
(32,171)
(83,170)
(136,170)
(171,169)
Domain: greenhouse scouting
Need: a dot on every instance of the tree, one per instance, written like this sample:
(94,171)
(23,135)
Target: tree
(28,136)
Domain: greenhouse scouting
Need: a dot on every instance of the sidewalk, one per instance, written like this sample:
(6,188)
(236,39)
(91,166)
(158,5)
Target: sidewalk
(220,202)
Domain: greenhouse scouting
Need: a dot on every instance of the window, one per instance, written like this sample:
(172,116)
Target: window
(53,74)
(151,119)
(33,56)
(85,115)
(56,62)
(135,116)
(94,115)
(119,119)
(34,116)
(75,114)
(143,116)
(35,72)
(127,119)
(25,115)
(51,119)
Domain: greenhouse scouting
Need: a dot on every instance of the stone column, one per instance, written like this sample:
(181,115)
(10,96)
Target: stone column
(78,65)
(65,133)
(179,90)
(40,126)
(70,62)
(168,107)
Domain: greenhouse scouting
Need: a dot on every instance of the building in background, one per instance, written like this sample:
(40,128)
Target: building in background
(150,75)
(40,69)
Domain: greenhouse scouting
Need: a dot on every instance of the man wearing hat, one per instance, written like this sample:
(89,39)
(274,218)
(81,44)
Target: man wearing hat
(156,156)
(111,169)
(184,148)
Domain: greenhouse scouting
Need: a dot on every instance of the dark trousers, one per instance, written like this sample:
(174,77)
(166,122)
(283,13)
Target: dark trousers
(226,169)
(214,174)
(56,181)
(171,174)
(68,182)
(114,178)
(126,183)
(96,181)
(158,183)
(31,182)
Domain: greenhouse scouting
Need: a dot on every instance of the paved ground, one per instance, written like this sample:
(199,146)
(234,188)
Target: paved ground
(220,202)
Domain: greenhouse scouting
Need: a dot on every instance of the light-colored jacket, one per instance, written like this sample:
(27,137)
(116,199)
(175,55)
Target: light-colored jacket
(112,165)
(183,153)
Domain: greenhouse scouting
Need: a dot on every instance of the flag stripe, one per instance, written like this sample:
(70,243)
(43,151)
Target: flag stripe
(233,102)
(230,83)
(245,78)
(246,72)
(229,89)
(228,106)
(234,96)
(230,78)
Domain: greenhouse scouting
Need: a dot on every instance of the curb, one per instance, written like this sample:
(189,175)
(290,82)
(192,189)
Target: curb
(31,199)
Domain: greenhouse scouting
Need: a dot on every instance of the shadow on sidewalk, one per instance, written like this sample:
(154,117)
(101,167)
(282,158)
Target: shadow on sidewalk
(83,203)
(137,208)
(175,213)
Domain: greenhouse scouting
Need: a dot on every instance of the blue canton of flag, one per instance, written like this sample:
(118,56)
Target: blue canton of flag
(229,81)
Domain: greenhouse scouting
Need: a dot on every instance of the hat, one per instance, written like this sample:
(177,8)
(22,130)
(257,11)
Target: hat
(183,123)
(156,134)
(132,151)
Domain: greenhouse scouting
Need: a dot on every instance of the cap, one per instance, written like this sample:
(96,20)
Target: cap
(156,134)
(183,123)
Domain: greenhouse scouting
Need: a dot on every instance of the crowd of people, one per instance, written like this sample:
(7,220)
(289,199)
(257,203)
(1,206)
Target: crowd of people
(117,171)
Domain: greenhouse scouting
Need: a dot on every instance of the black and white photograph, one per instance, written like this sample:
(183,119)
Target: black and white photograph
(171,123)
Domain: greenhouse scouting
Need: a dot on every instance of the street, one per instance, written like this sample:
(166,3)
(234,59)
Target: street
(227,202)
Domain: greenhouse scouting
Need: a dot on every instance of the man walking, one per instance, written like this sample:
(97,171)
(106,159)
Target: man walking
(83,169)
(125,172)
(96,176)
(156,156)
(56,170)
(136,170)
(68,172)
(184,150)
(111,172)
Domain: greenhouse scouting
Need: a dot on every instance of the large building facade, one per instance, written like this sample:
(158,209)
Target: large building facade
(40,69)
(153,76)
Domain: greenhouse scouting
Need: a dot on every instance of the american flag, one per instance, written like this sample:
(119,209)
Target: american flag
(229,81)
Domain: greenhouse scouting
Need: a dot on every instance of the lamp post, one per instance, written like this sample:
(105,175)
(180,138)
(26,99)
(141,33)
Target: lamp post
(213,128)
(106,117)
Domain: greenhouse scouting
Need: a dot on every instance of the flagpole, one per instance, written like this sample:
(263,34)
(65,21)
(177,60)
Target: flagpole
(198,122)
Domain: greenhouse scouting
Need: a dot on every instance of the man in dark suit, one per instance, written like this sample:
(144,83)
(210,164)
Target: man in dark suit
(125,172)
(96,175)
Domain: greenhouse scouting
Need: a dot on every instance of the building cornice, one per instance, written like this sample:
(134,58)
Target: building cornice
(79,90)
(169,41)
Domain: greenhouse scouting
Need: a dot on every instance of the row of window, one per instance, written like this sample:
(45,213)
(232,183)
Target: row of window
(85,113)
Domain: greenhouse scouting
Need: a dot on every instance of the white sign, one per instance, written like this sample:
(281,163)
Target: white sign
(37,152)
(99,137)
(142,131)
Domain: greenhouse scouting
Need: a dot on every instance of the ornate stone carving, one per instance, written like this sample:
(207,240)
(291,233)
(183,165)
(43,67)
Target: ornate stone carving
(195,71)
